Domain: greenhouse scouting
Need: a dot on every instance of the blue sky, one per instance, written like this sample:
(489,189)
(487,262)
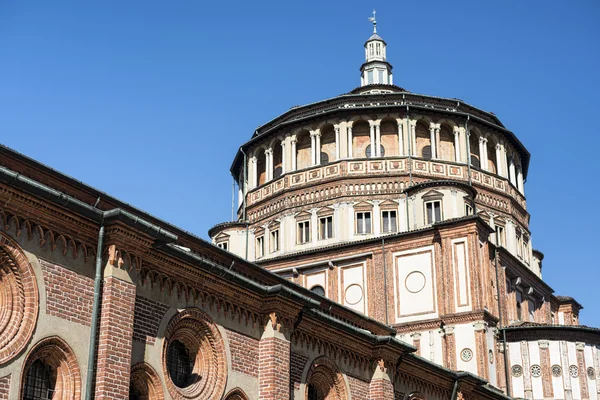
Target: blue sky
(149,101)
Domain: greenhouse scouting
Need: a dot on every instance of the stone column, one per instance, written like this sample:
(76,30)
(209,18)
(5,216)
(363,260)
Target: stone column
(317,147)
(483,153)
(456,133)
(350,140)
(438,149)
(337,142)
(481,344)
(293,141)
(499,164)
(512,172)
(377,141)
(413,137)
(432,140)
(115,333)
(269,164)
(372,137)
(381,386)
(254,171)
(400,138)
(283,156)
(313,150)
(520,184)
(273,361)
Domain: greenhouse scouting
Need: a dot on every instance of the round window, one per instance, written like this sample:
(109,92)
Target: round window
(573,371)
(556,371)
(180,364)
(318,289)
(491,356)
(591,373)
(536,371)
(517,371)
(466,355)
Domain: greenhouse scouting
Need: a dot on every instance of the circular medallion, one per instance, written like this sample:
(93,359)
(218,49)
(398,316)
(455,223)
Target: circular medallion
(415,282)
(591,373)
(491,356)
(516,370)
(573,371)
(536,371)
(354,294)
(556,371)
(466,354)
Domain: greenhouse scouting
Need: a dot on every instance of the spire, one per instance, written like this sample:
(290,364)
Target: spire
(376,69)
(374,21)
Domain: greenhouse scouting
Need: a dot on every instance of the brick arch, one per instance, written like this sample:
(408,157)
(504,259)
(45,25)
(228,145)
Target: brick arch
(196,330)
(18,299)
(146,381)
(56,353)
(236,394)
(327,379)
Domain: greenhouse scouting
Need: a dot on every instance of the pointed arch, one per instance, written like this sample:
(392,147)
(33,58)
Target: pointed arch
(236,394)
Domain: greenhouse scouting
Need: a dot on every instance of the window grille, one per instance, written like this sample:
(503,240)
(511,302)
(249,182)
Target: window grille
(39,382)
(180,364)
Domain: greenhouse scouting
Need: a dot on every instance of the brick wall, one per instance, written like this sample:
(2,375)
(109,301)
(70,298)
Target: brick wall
(244,353)
(297,364)
(359,389)
(146,319)
(4,387)
(115,338)
(274,369)
(381,389)
(68,294)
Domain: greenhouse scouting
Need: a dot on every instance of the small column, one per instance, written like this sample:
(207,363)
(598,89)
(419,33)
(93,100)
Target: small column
(512,173)
(400,138)
(254,170)
(350,140)
(381,386)
(313,145)
(499,166)
(273,361)
(432,140)
(438,150)
(317,147)
(377,141)
(520,185)
(413,137)
(293,141)
(372,137)
(456,132)
(283,156)
(269,164)
(337,142)
(482,152)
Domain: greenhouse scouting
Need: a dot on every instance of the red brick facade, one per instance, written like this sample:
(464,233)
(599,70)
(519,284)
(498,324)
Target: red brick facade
(273,369)
(147,316)
(115,339)
(69,295)
(4,387)
(244,353)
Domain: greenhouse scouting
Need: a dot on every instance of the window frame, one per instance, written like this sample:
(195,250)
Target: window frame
(260,246)
(383,224)
(303,226)
(368,229)
(328,227)
(274,241)
(223,245)
(426,215)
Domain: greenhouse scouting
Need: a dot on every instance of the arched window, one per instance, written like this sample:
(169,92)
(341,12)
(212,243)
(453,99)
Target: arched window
(368,151)
(324,158)
(318,289)
(180,364)
(39,382)
(313,394)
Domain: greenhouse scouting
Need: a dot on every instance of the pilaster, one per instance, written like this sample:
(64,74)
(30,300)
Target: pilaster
(274,361)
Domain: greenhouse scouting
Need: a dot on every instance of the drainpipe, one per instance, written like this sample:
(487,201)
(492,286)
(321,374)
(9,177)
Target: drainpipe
(95,311)
(245,192)
(500,319)
(454,390)
(385,289)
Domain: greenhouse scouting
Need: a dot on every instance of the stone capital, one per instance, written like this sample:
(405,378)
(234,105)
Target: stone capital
(416,336)
(479,325)
(449,329)
(580,345)
(544,344)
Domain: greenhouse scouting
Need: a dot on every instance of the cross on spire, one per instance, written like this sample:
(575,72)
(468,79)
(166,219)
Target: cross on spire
(374,21)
